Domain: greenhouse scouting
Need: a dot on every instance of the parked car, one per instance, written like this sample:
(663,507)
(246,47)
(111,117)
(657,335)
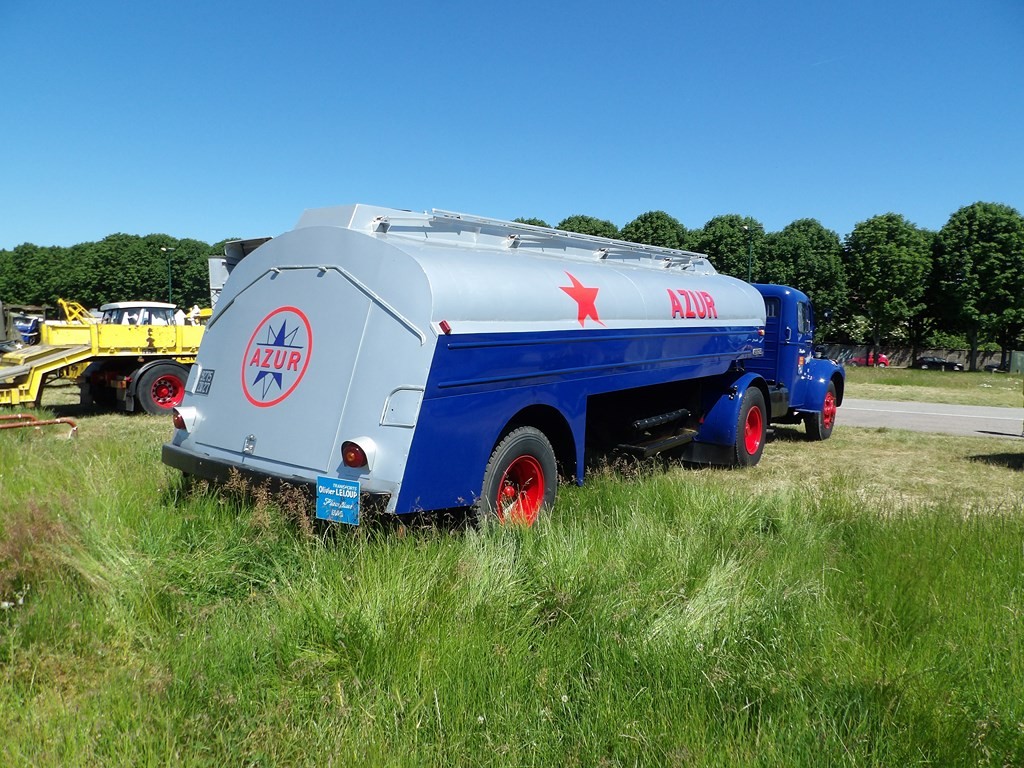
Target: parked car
(880,360)
(937,363)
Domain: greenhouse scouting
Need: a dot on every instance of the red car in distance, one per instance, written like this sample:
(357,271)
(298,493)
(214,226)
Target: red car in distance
(871,360)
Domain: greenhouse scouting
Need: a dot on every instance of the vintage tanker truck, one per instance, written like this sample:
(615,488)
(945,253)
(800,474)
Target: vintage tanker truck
(408,362)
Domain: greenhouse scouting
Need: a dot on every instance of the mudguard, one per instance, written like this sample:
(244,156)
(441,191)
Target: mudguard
(716,440)
(818,372)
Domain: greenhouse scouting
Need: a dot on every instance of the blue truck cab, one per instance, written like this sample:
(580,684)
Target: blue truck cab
(801,387)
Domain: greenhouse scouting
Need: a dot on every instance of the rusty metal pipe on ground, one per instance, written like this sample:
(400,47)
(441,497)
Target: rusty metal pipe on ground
(27,420)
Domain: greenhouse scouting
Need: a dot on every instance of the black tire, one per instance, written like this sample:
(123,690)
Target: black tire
(751,429)
(520,480)
(161,388)
(820,425)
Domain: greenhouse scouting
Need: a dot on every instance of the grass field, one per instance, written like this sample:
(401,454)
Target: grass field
(956,388)
(854,602)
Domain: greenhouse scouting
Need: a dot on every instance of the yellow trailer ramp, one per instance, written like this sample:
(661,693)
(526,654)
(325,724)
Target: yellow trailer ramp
(24,371)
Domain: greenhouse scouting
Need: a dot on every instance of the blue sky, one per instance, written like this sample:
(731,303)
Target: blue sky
(224,119)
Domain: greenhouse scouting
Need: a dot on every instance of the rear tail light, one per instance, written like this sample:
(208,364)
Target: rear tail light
(353,455)
(184,417)
(359,453)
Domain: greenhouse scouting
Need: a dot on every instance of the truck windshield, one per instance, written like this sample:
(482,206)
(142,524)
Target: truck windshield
(139,316)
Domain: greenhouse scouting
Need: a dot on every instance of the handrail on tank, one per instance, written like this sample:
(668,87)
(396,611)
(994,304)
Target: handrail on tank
(516,234)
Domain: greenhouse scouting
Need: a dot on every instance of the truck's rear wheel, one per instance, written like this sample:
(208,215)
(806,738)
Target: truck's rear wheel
(161,388)
(819,425)
(751,428)
(520,480)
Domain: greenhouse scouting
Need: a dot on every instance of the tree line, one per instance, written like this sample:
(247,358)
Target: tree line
(887,282)
(119,267)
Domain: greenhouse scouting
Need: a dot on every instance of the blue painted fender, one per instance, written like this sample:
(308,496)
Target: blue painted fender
(817,375)
(722,408)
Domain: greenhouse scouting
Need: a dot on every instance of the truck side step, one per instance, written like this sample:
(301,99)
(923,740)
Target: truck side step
(641,425)
(654,446)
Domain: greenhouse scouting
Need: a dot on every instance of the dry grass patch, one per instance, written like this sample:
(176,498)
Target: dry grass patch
(886,469)
(29,538)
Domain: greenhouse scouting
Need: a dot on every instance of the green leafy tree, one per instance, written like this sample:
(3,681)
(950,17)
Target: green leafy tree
(588,225)
(191,272)
(534,222)
(655,228)
(734,243)
(126,268)
(809,257)
(776,262)
(979,264)
(888,261)
(21,273)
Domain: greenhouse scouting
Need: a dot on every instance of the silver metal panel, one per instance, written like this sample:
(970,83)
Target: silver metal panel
(357,350)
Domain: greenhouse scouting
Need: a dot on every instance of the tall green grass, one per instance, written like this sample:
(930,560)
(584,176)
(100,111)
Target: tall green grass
(672,617)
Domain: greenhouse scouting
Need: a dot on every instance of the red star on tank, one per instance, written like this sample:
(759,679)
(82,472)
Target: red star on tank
(585,298)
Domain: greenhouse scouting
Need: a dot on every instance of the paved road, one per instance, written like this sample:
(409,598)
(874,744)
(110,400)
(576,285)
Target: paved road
(975,420)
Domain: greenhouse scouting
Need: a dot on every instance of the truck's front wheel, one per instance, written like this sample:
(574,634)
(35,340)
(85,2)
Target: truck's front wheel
(751,428)
(520,479)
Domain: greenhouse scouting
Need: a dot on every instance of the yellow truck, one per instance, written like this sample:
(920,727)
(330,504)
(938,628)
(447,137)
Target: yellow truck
(136,355)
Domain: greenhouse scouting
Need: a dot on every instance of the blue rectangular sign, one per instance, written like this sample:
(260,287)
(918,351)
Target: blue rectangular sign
(337,500)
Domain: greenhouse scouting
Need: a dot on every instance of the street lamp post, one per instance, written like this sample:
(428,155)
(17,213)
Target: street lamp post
(168,252)
(750,253)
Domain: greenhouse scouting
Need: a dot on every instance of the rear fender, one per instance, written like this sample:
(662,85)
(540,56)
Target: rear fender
(722,409)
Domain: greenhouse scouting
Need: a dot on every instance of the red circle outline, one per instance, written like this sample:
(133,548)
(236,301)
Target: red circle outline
(305,365)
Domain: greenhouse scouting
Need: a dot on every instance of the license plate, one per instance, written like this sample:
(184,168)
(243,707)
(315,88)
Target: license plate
(337,500)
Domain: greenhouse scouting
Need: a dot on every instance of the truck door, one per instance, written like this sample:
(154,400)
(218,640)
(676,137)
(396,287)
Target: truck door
(788,340)
(796,340)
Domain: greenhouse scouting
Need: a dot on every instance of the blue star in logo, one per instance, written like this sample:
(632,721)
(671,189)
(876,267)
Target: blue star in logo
(281,337)
(269,378)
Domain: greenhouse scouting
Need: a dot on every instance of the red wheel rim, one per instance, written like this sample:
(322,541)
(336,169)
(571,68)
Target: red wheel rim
(752,429)
(521,492)
(167,391)
(828,411)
